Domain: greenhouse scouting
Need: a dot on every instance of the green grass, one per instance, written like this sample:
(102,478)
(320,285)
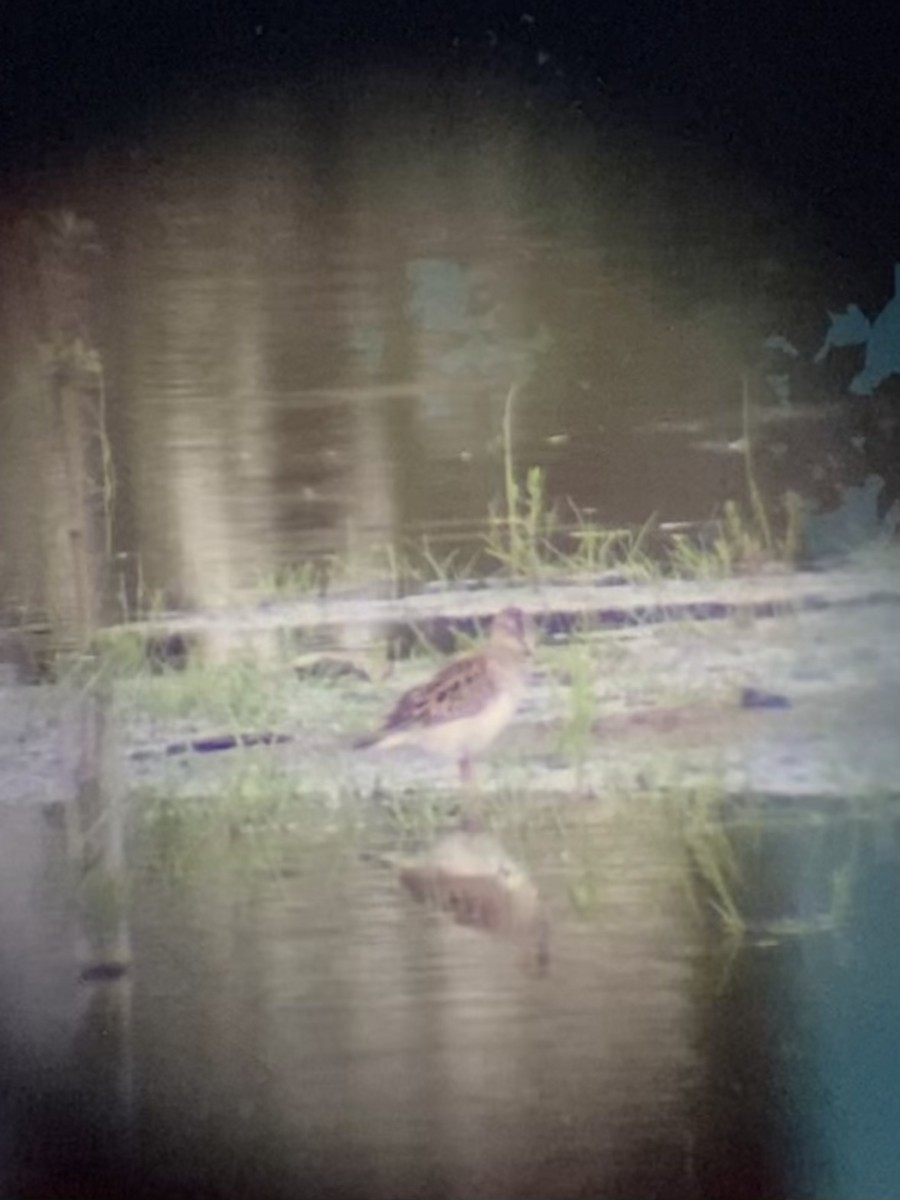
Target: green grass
(260,796)
(579,706)
(823,855)
(712,879)
(744,537)
(527,539)
(240,694)
(531,536)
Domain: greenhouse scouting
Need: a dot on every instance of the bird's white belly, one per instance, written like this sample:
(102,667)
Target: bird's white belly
(462,736)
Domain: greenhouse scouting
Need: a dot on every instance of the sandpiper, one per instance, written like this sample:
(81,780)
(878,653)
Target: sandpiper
(463,708)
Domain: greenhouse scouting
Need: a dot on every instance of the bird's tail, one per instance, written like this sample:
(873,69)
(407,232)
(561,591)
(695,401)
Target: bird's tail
(369,739)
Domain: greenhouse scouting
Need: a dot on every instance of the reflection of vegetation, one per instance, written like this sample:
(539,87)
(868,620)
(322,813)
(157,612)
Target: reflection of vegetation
(80,367)
(442,302)
(257,794)
(587,887)
(136,601)
(803,867)
(102,902)
(712,855)
(418,814)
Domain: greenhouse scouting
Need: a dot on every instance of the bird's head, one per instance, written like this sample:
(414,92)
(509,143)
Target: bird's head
(513,632)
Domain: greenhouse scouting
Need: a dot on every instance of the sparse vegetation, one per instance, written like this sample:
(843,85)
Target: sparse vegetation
(532,537)
(258,794)
(580,709)
(713,862)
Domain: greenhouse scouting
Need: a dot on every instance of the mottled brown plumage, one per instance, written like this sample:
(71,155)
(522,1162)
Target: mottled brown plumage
(468,703)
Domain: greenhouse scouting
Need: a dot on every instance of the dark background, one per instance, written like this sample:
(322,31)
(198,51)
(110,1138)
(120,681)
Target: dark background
(802,97)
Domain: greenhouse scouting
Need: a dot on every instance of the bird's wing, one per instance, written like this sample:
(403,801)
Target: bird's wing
(461,689)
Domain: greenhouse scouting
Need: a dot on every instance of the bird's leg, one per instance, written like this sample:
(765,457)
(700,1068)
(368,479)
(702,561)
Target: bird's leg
(466,774)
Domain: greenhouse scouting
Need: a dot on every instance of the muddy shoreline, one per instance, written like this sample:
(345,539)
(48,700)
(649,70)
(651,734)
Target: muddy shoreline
(785,684)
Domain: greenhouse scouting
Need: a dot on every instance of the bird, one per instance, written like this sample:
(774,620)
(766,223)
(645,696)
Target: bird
(462,709)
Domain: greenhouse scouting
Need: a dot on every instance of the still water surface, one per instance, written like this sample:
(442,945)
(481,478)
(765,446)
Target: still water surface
(295,1018)
(310,309)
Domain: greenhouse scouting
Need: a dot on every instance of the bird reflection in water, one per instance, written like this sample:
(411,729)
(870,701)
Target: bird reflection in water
(469,875)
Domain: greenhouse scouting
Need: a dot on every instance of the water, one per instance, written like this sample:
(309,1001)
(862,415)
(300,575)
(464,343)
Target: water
(294,1019)
(310,308)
